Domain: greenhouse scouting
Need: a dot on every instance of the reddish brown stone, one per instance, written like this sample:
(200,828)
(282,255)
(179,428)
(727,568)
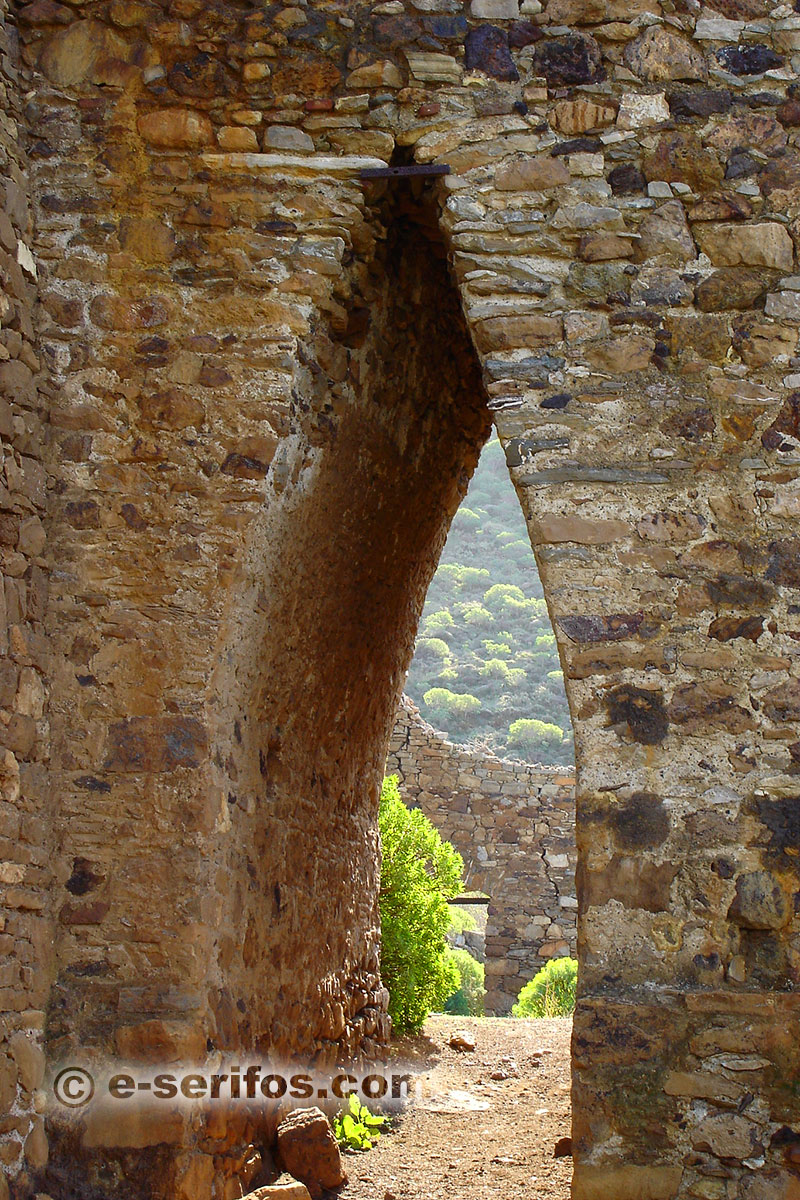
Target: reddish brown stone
(64,311)
(732,287)
(680,157)
(725,629)
(82,514)
(780,181)
(307,1149)
(641,710)
(786,424)
(600,628)
(788,113)
(113,312)
(157,744)
(212,376)
(721,206)
(698,706)
(172,409)
(757,129)
(305,77)
(693,426)
(84,914)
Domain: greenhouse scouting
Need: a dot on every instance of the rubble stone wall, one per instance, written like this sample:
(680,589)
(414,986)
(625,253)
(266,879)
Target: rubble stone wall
(514,825)
(26,965)
(270,379)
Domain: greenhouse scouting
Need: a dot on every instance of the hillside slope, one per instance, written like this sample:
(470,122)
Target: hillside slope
(486,656)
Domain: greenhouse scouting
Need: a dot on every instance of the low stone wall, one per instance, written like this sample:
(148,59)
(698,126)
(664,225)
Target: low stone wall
(514,826)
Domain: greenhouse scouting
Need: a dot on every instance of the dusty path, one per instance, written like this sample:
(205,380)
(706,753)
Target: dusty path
(494,1140)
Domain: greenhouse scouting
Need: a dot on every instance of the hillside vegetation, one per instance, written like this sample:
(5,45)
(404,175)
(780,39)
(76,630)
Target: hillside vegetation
(486,668)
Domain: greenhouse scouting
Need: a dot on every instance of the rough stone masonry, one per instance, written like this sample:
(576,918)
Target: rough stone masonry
(513,823)
(243,390)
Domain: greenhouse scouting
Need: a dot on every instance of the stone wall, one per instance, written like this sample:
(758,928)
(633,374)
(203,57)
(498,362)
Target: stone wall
(25,829)
(514,826)
(271,377)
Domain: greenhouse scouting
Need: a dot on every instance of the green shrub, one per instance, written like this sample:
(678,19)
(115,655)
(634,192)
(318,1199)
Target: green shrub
(461,921)
(442,619)
(433,650)
(531,736)
(419,873)
(551,993)
(498,593)
(443,705)
(468,998)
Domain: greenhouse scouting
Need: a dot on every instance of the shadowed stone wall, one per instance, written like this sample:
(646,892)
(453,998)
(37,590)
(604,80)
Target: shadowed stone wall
(514,826)
(25,808)
(270,381)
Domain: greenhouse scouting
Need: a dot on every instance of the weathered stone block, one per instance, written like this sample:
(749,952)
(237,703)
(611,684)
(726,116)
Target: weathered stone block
(532,331)
(579,116)
(176,129)
(569,60)
(760,902)
(531,174)
(486,49)
(728,1135)
(308,1150)
(762,244)
(155,744)
(737,288)
(661,54)
(623,354)
(626,1183)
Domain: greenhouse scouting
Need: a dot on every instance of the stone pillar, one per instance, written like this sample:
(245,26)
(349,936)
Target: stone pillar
(654,451)
(26,952)
(262,428)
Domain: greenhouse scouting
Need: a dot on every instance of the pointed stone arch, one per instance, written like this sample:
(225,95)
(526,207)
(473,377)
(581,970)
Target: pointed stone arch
(216,327)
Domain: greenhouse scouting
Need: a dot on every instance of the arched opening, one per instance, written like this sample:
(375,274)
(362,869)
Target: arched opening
(496,773)
(393,420)
(486,669)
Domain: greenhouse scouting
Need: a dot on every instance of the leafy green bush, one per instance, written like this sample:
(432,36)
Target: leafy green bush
(531,736)
(357,1128)
(419,873)
(461,921)
(443,705)
(442,619)
(433,649)
(495,668)
(551,993)
(468,998)
(498,593)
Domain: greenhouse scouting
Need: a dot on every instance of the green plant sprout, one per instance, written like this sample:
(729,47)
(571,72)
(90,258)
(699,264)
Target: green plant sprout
(357,1128)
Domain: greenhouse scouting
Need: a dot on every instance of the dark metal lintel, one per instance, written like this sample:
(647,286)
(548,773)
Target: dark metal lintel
(419,169)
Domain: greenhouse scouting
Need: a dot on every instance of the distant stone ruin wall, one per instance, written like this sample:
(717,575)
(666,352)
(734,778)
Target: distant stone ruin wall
(514,826)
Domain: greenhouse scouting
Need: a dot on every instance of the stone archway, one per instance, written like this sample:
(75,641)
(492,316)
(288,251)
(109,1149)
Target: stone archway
(234,357)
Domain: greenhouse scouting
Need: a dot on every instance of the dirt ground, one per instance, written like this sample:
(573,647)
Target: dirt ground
(473,1137)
